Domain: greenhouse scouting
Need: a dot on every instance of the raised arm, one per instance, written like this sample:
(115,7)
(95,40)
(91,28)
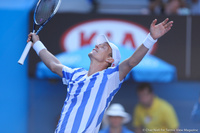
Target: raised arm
(49,59)
(156,31)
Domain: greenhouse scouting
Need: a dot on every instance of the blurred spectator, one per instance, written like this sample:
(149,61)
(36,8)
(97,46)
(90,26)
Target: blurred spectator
(196,111)
(153,114)
(116,117)
(156,7)
(176,7)
(194,6)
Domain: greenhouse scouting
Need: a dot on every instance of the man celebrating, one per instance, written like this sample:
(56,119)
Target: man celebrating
(90,92)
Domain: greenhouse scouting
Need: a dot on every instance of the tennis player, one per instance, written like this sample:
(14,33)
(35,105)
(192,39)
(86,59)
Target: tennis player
(89,93)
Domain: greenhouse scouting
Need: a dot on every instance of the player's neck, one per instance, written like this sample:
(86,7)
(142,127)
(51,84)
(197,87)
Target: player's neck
(96,67)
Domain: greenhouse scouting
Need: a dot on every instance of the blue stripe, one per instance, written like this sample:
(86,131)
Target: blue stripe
(81,109)
(61,112)
(79,77)
(70,89)
(67,98)
(78,70)
(111,70)
(98,98)
(71,84)
(107,103)
(69,76)
(74,101)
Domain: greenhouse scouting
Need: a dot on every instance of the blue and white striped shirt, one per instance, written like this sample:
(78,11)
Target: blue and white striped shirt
(87,99)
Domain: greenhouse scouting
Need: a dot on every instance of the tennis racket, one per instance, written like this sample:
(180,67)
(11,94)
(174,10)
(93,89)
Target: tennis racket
(44,11)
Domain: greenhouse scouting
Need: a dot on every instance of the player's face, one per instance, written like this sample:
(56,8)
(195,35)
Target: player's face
(101,52)
(115,121)
(145,97)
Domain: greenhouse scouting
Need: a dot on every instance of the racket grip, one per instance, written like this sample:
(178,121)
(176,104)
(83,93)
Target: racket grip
(25,53)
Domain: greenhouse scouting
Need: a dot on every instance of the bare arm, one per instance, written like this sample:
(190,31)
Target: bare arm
(51,62)
(49,59)
(156,31)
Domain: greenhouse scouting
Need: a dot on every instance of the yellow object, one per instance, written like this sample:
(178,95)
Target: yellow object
(159,118)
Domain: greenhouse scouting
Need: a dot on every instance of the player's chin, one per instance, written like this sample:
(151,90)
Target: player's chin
(90,54)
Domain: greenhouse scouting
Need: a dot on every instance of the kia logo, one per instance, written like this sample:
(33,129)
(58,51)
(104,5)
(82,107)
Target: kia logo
(118,31)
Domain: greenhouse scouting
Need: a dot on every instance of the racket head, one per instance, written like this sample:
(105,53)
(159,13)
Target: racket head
(45,10)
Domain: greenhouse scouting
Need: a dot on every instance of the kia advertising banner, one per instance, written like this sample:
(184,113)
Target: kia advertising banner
(129,33)
(68,32)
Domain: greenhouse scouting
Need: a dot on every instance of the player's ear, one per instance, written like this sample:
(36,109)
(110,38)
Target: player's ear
(110,60)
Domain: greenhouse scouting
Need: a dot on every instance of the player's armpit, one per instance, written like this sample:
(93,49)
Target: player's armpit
(57,68)
(124,69)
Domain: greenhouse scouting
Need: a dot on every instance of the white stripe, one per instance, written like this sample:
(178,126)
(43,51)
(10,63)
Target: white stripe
(65,109)
(100,109)
(97,129)
(109,88)
(67,70)
(73,114)
(90,104)
(65,81)
(76,75)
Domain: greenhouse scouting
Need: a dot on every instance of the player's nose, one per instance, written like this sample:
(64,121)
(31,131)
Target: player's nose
(97,46)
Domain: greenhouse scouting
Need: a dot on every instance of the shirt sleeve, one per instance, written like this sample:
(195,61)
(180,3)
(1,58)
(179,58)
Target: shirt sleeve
(113,78)
(113,72)
(171,118)
(67,74)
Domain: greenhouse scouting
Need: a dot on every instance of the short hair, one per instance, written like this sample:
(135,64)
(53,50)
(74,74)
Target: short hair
(144,86)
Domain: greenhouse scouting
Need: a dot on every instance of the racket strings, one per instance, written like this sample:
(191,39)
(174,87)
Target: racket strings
(45,9)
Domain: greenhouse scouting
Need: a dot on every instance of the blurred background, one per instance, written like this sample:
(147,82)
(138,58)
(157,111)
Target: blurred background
(31,97)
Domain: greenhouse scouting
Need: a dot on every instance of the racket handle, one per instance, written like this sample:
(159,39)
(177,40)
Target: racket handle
(25,53)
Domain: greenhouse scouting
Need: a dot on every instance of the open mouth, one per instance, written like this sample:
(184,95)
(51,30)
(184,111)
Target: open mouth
(95,50)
